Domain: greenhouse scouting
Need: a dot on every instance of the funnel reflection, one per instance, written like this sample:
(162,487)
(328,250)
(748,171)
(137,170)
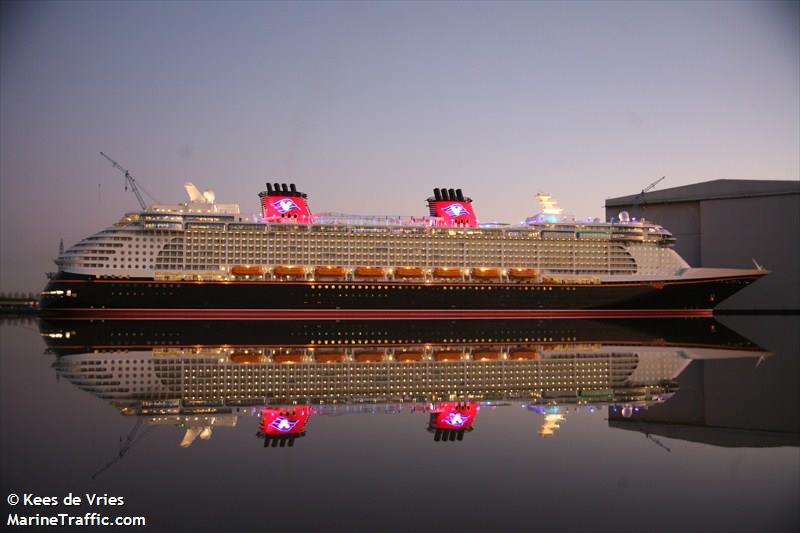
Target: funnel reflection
(208,379)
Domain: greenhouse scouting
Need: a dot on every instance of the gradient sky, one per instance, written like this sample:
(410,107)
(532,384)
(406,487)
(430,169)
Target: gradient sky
(368,106)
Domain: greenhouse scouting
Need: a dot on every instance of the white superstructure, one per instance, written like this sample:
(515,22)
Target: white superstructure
(202,238)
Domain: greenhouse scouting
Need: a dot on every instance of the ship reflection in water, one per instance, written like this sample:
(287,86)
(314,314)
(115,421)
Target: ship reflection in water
(203,377)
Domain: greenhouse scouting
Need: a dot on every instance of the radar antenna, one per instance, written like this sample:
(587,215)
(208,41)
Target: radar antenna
(129,181)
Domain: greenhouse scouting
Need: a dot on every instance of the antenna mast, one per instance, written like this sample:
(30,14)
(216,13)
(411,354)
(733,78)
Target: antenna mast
(128,181)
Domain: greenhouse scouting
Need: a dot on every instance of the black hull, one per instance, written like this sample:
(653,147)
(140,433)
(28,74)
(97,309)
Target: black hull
(87,297)
(86,336)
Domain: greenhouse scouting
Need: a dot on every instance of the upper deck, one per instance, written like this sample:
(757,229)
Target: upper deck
(204,236)
(635,231)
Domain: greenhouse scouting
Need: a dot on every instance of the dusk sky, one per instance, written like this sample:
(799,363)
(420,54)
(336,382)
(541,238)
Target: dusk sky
(368,106)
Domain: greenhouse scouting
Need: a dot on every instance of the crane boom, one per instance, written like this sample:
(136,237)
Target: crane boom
(128,181)
(652,185)
(640,197)
(658,442)
(123,448)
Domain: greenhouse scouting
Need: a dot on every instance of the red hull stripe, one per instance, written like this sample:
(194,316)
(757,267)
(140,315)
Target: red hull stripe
(371,314)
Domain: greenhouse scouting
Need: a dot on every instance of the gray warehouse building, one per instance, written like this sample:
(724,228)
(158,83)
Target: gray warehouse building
(730,223)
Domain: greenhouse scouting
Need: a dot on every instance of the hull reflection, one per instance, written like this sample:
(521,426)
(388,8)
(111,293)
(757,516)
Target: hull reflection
(205,376)
(70,336)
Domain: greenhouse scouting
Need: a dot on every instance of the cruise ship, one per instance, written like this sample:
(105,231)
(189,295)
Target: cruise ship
(204,379)
(205,260)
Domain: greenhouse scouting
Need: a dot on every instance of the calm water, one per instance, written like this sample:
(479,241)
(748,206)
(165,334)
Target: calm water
(711,442)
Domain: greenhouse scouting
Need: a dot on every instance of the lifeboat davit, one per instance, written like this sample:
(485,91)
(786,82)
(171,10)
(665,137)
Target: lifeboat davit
(447,272)
(486,273)
(522,273)
(408,272)
(247,270)
(290,271)
(369,272)
(329,272)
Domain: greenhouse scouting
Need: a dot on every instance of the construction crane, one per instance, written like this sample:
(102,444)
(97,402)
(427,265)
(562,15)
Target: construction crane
(640,197)
(656,441)
(128,181)
(124,446)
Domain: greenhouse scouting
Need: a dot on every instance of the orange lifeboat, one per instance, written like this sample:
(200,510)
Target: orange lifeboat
(524,354)
(485,273)
(408,272)
(290,357)
(245,358)
(329,357)
(486,355)
(448,355)
(369,272)
(522,273)
(368,357)
(408,357)
(329,272)
(447,272)
(247,270)
(289,271)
